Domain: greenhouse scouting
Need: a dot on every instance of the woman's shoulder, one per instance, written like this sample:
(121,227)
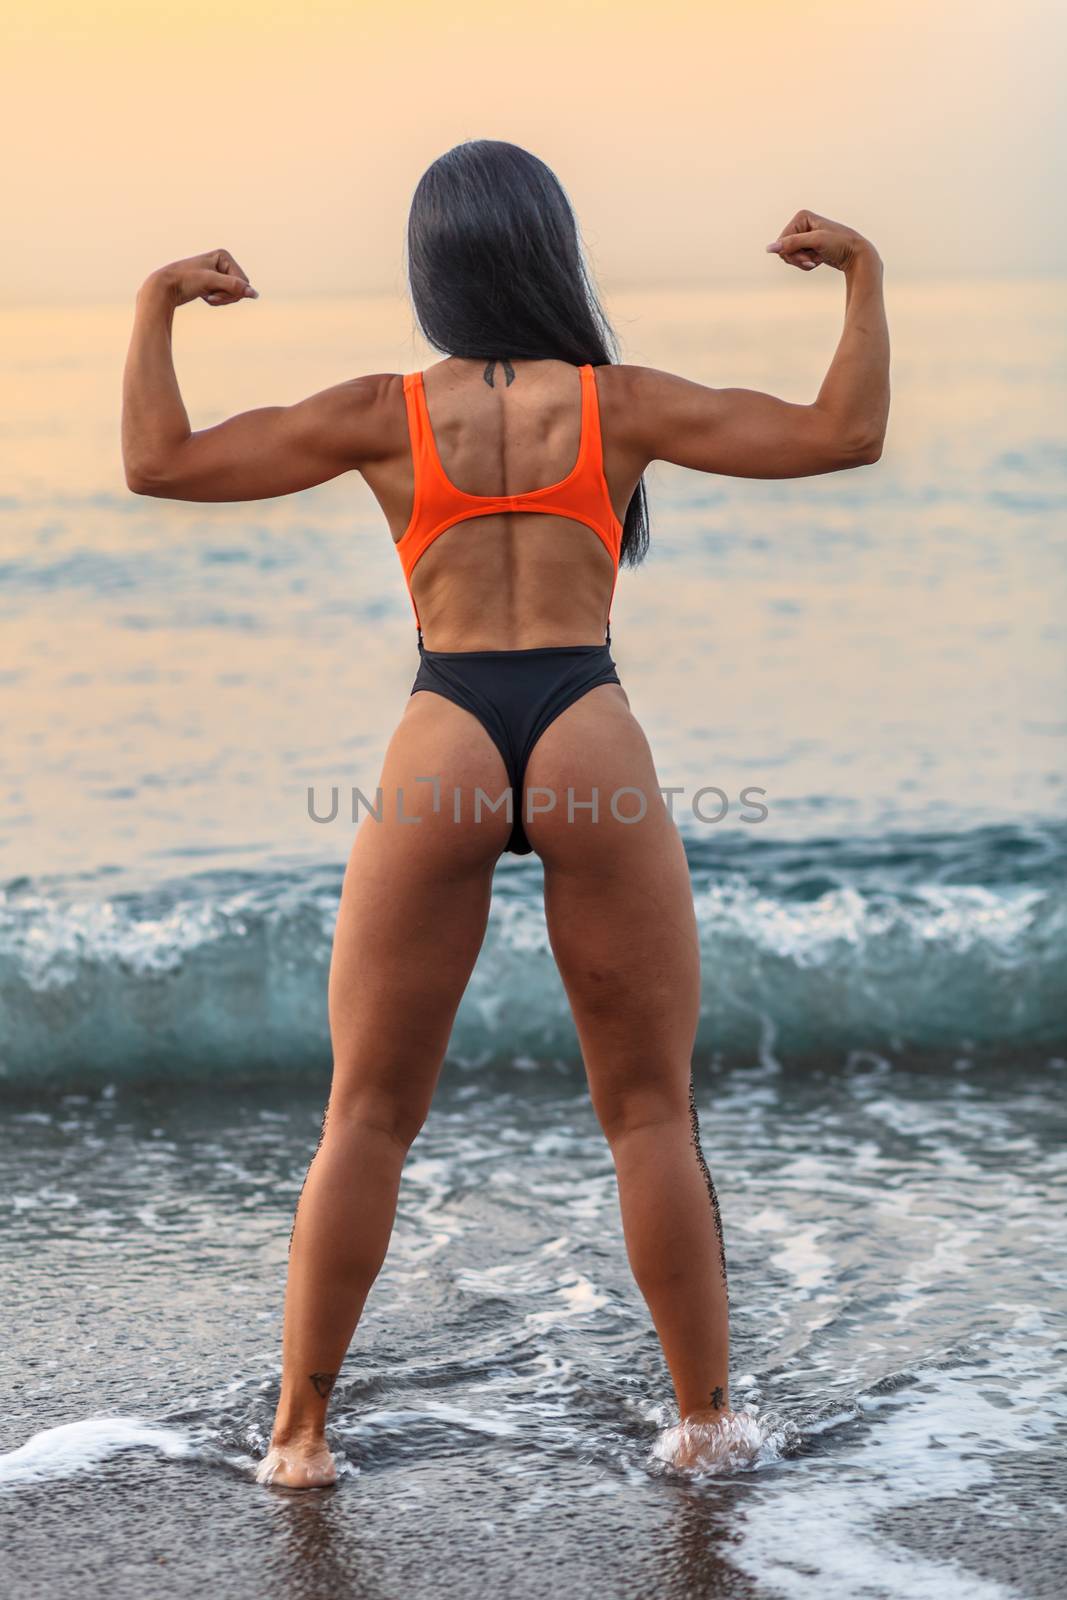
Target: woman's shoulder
(631,396)
(629,385)
(371,408)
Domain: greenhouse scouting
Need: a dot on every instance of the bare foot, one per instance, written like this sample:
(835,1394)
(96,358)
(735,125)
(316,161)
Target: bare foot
(710,1442)
(299,1464)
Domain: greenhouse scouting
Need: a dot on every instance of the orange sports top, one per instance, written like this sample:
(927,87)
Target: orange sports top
(582,495)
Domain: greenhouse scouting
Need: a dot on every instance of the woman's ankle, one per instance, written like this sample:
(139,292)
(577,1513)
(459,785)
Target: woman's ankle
(298,1431)
(709,1414)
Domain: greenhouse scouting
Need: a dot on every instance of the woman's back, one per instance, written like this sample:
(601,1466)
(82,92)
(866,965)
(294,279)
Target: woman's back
(483,575)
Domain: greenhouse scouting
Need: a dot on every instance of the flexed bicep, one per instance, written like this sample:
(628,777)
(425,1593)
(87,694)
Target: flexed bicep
(254,455)
(742,433)
(273,450)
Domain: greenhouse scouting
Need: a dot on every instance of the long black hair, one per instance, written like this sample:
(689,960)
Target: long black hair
(496,268)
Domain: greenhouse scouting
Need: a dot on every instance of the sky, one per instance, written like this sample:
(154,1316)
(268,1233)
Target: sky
(293,132)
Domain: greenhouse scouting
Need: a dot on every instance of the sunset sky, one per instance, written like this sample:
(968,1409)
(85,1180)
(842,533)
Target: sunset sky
(293,132)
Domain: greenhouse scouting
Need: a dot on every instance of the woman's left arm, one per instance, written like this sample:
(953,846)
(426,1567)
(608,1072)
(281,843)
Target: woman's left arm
(254,455)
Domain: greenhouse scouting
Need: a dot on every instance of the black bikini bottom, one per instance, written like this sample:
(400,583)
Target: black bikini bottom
(515,694)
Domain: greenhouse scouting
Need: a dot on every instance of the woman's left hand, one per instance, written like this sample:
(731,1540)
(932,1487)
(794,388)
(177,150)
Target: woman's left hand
(214,277)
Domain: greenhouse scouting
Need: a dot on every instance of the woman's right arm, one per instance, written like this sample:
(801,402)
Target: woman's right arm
(744,433)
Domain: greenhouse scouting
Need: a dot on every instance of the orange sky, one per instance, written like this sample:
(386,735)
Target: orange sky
(293,132)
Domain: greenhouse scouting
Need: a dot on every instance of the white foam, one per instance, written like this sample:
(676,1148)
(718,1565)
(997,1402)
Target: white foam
(76,1446)
(921,1447)
(741,1440)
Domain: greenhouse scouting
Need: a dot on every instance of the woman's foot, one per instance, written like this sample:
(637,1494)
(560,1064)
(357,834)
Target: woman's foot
(710,1441)
(298,1464)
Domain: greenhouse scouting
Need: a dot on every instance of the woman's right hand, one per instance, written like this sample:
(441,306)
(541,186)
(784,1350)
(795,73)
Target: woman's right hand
(807,240)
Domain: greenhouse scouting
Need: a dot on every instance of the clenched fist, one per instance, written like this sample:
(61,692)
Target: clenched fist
(808,240)
(214,277)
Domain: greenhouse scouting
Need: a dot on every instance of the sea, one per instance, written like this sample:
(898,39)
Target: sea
(877,657)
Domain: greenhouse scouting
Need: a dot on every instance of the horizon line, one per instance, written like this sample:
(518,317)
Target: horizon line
(605,288)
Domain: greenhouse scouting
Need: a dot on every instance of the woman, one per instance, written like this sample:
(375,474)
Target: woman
(510,475)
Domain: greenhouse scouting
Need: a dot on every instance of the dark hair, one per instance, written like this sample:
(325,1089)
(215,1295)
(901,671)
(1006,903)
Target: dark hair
(496,268)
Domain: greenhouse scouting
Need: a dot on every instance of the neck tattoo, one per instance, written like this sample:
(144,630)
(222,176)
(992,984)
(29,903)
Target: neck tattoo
(509,372)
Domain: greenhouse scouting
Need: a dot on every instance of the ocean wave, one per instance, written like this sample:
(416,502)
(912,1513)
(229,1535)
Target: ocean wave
(816,952)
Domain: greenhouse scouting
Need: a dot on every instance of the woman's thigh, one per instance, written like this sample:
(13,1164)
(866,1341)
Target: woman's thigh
(619,906)
(413,914)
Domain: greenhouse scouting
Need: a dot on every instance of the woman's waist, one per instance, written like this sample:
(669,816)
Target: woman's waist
(464,612)
(601,649)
